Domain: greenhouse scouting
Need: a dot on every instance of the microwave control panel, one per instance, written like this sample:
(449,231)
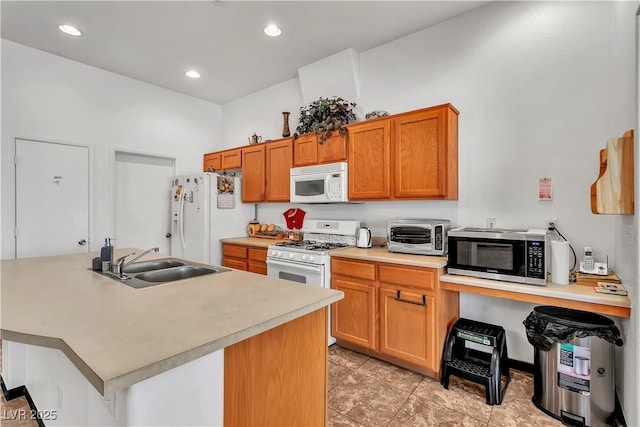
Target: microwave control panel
(535,259)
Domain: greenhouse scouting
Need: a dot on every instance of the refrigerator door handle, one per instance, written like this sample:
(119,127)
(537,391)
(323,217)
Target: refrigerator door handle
(181,223)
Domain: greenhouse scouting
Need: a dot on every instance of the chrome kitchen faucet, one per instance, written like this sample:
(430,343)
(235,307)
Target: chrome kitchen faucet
(119,263)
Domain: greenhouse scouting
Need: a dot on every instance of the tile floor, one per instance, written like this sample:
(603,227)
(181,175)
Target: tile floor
(366,392)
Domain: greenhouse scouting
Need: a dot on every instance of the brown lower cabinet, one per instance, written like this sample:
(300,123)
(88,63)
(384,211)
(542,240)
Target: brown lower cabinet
(244,257)
(405,316)
(279,377)
(394,312)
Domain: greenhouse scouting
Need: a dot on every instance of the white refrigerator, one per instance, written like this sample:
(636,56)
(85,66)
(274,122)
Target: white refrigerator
(190,217)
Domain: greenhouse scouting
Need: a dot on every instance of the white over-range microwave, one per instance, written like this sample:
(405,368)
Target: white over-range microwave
(327,183)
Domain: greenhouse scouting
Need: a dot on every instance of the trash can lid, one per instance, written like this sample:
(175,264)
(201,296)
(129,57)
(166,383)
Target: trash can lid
(546,325)
(570,317)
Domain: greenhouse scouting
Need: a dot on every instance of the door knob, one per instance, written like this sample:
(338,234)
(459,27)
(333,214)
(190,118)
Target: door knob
(82,242)
(167,235)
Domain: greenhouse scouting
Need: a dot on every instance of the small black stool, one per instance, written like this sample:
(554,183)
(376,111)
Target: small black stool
(481,367)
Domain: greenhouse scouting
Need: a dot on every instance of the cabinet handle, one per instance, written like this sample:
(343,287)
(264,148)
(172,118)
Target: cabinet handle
(423,304)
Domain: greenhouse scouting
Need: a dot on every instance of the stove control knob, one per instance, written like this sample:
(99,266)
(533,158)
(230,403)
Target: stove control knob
(279,253)
(310,257)
(292,256)
(304,257)
(273,252)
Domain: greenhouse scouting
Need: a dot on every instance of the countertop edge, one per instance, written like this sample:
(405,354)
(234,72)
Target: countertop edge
(58,344)
(110,385)
(381,255)
(550,290)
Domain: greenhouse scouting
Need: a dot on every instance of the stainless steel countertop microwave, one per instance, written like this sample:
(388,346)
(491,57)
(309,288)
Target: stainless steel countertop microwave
(418,236)
(513,255)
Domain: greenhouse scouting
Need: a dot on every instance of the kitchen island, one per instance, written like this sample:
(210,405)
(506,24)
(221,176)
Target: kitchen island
(154,349)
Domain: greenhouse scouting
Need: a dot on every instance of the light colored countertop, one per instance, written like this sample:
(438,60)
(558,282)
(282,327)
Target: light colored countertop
(118,336)
(381,254)
(571,296)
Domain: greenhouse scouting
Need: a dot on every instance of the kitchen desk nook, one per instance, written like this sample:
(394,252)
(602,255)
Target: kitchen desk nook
(233,348)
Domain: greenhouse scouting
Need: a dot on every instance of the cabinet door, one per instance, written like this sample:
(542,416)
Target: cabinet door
(305,150)
(212,162)
(279,161)
(333,149)
(406,325)
(253,174)
(422,157)
(232,159)
(369,160)
(353,318)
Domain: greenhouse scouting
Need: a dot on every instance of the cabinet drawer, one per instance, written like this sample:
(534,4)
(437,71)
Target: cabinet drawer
(357,269)
(257,267)
(258,254)
(402,275)
(234,263)
(234,251)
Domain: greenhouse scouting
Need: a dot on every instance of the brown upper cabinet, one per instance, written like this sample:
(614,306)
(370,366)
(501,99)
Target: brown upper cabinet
(253,173)
(232,159)
(370,160)
(412,155)
(265,171)
(307,150)
(279,159)
(223,160)
(212,162)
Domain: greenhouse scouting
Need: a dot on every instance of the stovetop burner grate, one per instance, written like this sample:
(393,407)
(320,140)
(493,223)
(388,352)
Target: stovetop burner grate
(311,245)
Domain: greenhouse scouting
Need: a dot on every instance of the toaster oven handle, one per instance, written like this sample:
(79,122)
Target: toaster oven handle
(423,304)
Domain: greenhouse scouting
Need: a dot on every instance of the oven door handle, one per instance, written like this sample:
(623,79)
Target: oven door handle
(313,268)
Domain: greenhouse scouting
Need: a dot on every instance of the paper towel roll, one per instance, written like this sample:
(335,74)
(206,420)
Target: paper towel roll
(560,262)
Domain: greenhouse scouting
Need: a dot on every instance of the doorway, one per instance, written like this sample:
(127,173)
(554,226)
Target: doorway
(142,203)
(52,198)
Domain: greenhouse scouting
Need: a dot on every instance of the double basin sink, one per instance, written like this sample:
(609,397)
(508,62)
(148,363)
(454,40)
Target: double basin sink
(144,274)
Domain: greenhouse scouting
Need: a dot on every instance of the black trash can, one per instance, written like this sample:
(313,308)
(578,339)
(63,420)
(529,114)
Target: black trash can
(574,374)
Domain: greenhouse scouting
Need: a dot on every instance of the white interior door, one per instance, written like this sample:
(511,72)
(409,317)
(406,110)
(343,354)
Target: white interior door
(52,199)
(143,201)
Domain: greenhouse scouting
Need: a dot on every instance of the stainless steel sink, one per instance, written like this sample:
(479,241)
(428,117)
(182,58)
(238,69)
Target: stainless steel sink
(177,273)
(155,272)
(156,264)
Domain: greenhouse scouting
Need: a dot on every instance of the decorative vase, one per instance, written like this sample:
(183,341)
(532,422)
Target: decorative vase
(285,126)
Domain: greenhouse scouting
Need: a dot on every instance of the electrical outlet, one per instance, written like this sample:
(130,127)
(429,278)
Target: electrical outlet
(109,402)
(491,222)
(552,223)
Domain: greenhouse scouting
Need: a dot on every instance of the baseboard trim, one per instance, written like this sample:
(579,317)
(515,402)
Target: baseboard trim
(519,365)
(20,391)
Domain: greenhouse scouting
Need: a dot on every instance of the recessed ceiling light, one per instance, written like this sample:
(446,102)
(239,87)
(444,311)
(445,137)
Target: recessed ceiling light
(272,30)
(69,29)
(193,74)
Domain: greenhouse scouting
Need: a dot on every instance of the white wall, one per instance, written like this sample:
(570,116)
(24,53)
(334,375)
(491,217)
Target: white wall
(540,88)
(50,98)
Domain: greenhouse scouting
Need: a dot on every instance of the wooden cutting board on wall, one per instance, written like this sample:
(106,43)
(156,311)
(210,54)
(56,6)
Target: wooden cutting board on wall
(612,193)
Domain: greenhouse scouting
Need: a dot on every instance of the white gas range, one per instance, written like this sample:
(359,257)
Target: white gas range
(308,261)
